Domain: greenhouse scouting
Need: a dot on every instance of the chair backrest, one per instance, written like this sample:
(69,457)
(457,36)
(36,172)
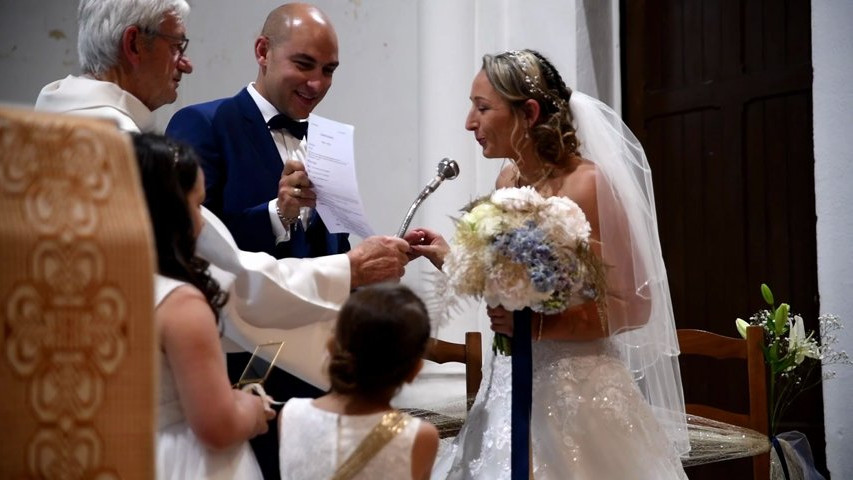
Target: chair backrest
(470,353)
(707,344)
(77,343)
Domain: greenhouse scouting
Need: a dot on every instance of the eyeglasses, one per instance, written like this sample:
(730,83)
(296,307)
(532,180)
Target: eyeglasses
(181,42)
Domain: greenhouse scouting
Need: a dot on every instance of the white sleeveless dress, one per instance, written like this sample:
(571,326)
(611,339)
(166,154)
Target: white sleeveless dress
(314,442)
(589,421)
(180,455)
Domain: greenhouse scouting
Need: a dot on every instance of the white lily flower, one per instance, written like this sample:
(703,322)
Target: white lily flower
(741,325)
(799,344)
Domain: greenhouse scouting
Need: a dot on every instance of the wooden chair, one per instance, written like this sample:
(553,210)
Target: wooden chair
(707,344)
(470,353)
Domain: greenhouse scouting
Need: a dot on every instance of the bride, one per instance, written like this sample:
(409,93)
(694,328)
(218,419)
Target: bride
(607,399)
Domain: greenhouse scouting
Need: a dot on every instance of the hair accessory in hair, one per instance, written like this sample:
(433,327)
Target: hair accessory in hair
(532,81)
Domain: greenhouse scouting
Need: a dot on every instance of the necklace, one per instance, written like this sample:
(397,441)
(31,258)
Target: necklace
(547,171)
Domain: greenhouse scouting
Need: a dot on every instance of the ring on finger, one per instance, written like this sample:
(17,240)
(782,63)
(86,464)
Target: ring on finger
(297,192)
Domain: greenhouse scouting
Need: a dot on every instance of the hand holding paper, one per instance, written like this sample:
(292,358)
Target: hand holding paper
(330,164)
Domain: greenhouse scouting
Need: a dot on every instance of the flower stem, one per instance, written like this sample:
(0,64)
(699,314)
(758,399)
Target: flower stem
(772,404)
(502,344)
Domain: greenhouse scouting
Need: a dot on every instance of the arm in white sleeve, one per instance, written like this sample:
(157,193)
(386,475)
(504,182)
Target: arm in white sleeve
(272,293)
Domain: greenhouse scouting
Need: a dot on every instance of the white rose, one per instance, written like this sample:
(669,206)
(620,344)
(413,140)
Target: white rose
(485,219)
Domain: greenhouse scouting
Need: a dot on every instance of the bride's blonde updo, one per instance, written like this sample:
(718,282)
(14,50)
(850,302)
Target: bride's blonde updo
(381,334)
(520,75)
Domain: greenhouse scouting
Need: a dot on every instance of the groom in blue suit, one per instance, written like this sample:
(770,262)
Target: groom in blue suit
(243,169)
(253,151)
(245,140)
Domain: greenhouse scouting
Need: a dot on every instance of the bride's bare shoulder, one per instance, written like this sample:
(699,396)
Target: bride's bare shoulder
(507,176)
(580,182)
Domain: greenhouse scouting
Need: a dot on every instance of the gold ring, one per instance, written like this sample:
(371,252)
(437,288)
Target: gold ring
(297,192)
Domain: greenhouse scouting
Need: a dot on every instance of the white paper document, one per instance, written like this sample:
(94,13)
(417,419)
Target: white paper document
(330,164)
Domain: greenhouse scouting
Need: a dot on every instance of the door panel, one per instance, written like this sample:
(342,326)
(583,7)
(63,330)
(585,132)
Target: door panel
(719,93)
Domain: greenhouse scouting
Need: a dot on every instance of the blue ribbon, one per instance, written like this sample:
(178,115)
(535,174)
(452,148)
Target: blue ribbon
(522,394)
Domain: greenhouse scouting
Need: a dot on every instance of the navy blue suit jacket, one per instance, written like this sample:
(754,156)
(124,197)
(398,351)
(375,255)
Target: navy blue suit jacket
(242,168)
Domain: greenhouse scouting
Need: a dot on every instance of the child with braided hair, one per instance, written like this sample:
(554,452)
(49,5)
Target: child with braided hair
(353,432)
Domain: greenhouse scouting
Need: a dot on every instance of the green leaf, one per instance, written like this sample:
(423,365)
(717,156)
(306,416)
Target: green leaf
(769,325)
(781,319)
(502,344)
(767,294)
(787,362)
(773,354)
(767,354)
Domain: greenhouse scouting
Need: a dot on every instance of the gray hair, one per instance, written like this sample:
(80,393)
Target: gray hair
(101,24)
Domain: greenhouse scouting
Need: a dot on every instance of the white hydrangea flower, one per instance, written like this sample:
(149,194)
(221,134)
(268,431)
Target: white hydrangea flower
(523,199)
(562,218)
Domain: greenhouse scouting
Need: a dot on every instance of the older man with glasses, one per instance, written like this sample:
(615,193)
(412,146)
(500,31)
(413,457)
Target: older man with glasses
(180,44)
(132,53)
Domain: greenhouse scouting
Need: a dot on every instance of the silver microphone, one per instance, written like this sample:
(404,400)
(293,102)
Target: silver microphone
(448,169)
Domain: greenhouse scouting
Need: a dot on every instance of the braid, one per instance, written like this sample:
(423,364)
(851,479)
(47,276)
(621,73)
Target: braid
(560,116)
(521,75)
(381,335)
(553,79)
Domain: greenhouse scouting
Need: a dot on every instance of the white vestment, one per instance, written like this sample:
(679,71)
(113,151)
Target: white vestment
(290,300)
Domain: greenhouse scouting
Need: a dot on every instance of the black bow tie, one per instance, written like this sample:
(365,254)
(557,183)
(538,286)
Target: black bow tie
(297,129)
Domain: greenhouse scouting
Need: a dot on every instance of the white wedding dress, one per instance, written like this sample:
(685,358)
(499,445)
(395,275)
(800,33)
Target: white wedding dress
(180,455)
(589,421)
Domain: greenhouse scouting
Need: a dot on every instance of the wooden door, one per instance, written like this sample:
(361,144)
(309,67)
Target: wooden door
(719,93)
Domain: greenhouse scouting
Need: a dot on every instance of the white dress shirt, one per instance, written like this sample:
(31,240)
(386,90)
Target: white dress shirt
(289,148)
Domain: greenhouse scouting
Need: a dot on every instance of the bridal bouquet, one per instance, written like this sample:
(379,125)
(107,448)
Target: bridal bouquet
(791,353)
(517,249)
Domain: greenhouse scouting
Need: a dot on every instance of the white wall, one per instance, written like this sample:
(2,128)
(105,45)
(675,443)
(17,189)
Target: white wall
(832,57)
(38,44)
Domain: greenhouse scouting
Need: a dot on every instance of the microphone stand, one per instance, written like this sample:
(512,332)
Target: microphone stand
(447,169)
